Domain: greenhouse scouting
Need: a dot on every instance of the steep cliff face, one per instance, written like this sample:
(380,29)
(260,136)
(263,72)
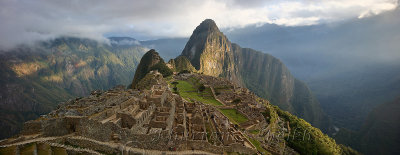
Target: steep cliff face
(211,53)
(269,78)
(266,76)
(34,79)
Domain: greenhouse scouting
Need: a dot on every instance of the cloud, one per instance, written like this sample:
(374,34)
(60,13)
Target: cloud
(25,22)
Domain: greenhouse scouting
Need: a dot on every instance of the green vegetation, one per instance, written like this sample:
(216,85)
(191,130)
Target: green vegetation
(189,92)
(174,83)
(150,61)
(270,115)
(201,88)
(254,131)
(162,68)
(220,89)
(184,71)
(314,142)
(234,115)
(257,144)
(236,101)
(348,150)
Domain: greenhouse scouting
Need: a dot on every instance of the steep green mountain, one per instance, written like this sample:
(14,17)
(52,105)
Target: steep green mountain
(150,61)
(35,78)
(380,133)
(211,53)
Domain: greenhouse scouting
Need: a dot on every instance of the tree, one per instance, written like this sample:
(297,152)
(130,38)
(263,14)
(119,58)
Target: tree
(183,72)
(202,88)
(175,83)
(236,101)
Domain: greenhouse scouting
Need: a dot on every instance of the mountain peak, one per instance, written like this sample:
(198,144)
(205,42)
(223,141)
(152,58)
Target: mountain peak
(207,25)
(209,51)
(150,61)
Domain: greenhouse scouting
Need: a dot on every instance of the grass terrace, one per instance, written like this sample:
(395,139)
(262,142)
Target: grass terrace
(189,91)
(254,131)
(257,144)
(234,115)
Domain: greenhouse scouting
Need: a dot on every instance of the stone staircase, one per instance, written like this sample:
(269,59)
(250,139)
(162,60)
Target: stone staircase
(75,149)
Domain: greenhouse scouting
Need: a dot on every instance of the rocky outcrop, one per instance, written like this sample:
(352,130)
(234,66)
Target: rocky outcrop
(181,63)
(211,53)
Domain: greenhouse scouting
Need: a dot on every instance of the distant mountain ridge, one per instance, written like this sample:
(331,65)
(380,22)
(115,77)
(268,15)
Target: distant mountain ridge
(211,53)
(34,79)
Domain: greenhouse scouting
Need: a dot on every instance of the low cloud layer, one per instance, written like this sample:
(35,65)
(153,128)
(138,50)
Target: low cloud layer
(23,22)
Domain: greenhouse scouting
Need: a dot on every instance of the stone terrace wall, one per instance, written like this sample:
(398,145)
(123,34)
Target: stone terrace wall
(205,146)
(92,145)
(96,130)
(55,127)
(31,127)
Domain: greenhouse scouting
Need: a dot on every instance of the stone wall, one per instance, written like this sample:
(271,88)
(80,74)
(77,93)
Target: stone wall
(92,145)
(32,127)
(96,130)
(126,120)
(205,146)
(55,127)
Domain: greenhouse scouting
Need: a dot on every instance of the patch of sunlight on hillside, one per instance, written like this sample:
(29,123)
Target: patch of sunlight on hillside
(54,78)
(25,69)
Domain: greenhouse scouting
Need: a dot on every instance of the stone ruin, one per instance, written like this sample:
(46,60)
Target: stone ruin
(154,119)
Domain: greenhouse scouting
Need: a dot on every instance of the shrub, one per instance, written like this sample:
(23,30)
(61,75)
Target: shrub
(236,101)
(202,88)
(184,71)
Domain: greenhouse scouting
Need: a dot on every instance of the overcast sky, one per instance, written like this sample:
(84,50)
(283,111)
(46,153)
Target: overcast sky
(26,21)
